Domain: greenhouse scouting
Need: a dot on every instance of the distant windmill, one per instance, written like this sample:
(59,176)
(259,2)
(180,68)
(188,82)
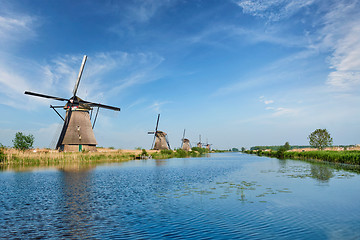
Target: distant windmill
(77,132)
(208,145)
(199,144)
(160,138)
(185,143)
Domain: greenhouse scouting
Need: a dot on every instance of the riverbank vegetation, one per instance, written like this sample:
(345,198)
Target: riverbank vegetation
(47,157)
(346,157)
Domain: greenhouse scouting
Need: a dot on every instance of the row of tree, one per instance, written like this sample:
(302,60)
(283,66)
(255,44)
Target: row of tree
(320,138)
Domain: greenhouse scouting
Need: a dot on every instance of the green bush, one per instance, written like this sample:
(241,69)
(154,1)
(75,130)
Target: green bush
(144,153)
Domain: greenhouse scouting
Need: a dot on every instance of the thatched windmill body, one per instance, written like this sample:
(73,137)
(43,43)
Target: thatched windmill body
(185,143)
(160,138)
(77,132)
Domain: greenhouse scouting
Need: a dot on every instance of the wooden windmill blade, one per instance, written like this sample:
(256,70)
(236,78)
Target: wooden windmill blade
(156,129)
(182,140)
(79,76)
(167,141)
(45,96)
(92,104)
(64,128)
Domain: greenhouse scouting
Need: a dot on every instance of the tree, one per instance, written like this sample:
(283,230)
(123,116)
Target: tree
(23,142)
(243,149)
(320,138)
(287,146)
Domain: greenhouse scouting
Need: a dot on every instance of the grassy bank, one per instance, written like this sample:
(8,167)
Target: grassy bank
(179,153)
(10,157)
(345,157)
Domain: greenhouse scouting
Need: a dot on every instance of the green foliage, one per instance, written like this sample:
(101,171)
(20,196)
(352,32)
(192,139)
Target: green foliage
(200,150)
(320,138)
(243,149)
(234,150)
(347,157)
(23,142)
(144,153)
(180,153)
(2,154)
(287,146)
(280,153)
(112,148)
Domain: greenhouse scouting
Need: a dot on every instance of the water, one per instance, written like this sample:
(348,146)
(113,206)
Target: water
(225,196)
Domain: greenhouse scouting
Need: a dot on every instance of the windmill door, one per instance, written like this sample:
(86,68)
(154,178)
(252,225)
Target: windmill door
(80,148)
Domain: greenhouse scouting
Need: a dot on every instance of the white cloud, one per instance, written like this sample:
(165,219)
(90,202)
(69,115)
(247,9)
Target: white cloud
(341,34)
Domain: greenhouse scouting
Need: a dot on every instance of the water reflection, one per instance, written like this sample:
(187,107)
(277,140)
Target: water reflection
(321,173)
(75,212)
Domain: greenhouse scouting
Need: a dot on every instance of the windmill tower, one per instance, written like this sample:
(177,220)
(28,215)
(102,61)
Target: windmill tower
(199,144)
(77,132)
(160,138)
(185,143)
(208,145)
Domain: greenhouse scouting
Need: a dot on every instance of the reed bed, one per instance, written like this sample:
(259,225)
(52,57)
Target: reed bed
(46,158)
(52,157)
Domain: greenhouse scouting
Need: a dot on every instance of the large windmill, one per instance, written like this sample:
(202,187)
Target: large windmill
(160,138)
(185,143)
(77,132)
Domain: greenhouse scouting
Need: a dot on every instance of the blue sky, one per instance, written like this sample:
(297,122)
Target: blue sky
(238,72)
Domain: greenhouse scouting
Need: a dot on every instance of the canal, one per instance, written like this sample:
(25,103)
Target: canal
(222,196)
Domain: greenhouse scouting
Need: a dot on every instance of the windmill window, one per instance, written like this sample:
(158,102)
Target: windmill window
(78,128)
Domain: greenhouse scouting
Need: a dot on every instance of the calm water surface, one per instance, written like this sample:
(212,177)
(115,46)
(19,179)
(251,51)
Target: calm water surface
(225,196)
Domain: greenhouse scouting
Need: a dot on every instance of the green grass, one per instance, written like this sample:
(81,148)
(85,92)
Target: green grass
(179,153)
(346,157)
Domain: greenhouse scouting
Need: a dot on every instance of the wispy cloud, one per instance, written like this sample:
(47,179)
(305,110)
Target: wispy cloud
(16,28)
(265,101)
(57,77)
(143,10)
(273,10)
(341,34)
(156,106)
(281,112)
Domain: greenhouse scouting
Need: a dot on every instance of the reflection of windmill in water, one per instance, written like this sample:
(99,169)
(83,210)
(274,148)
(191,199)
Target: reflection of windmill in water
(185,143)
(77,132)
(160,138)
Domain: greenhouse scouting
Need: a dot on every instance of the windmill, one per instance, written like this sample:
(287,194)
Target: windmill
(208,145)
(185,143)
(77,132)
(199,144)
(160,138)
